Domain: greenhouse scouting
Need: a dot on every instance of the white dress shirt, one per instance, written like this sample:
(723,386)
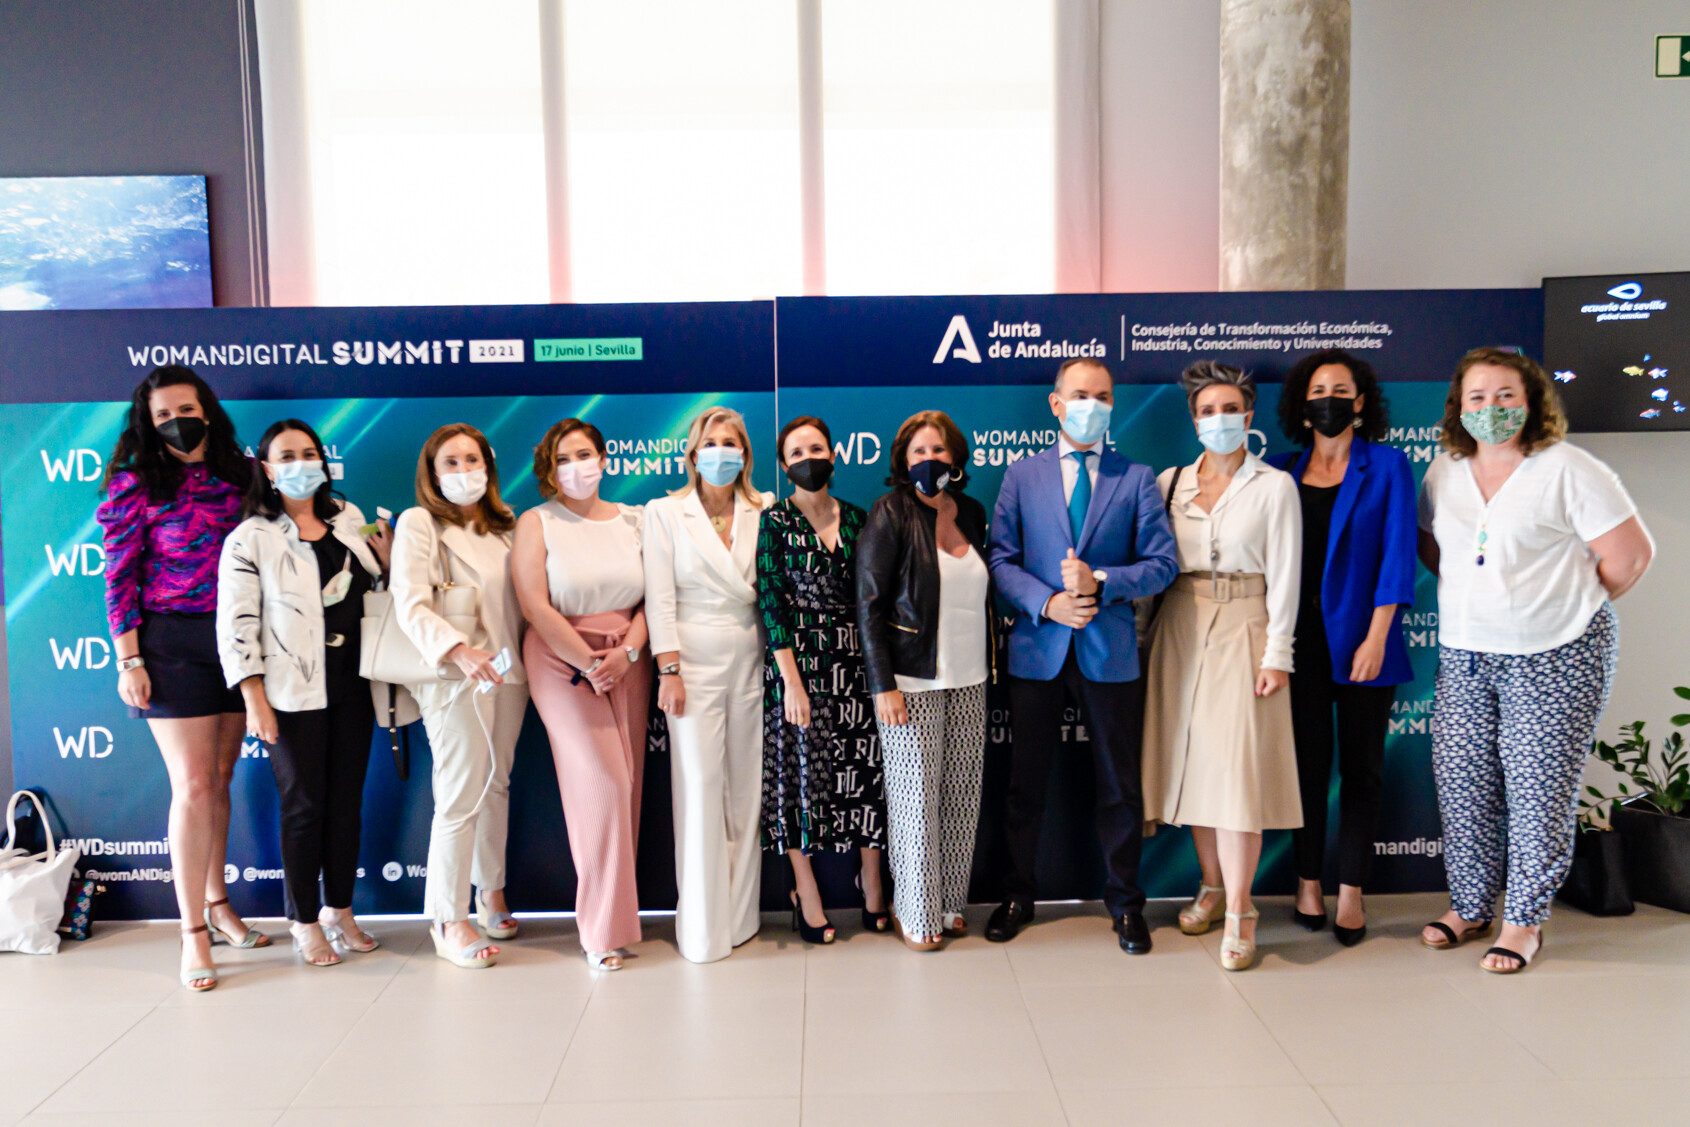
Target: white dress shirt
(1071,466)
(1256,526)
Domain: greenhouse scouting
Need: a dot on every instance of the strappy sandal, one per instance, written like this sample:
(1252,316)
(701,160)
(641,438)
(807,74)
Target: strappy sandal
(308,952)
(1194,919)
(342,940)
(207,975)
(1453,938)
(1521,962)
(469,958)
(497,925)
(251,939)
(1238,953)
(604,960)
(953,925)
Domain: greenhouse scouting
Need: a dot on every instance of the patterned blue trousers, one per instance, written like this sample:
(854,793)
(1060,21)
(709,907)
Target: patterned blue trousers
(1510,734)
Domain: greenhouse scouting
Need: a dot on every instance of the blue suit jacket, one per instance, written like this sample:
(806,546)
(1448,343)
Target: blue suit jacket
(1126,534)
(1370,557)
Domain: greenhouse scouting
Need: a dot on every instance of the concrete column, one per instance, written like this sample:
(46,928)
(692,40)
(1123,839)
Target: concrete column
(1285,140)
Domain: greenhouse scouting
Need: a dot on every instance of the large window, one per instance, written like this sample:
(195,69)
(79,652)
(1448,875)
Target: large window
(425,130)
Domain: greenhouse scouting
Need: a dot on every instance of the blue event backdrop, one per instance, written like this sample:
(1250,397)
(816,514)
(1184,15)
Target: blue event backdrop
(376,381)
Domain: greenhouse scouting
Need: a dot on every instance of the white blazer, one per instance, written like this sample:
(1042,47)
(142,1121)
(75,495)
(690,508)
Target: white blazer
(416,570)
(270,606)
(689,571)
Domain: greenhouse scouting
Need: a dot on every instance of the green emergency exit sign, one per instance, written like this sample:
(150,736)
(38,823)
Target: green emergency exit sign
(1672,56)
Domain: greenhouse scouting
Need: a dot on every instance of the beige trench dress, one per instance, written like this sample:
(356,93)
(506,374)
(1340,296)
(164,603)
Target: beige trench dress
(1215,754)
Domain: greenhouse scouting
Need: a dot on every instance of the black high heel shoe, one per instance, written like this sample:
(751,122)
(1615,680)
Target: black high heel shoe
(822,935)
(1308,921)
(874,921)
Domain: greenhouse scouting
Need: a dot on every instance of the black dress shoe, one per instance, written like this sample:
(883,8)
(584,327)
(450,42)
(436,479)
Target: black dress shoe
(1349,936)
(1308,921)
(1009,918)
(1134,933)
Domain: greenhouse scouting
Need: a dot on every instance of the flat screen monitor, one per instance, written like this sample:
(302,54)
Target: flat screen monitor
(1618,347)
(104,242)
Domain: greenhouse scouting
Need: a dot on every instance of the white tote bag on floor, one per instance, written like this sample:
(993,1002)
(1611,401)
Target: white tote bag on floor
(33,886)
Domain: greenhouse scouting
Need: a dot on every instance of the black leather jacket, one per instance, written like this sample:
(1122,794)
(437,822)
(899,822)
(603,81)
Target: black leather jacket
(898,586)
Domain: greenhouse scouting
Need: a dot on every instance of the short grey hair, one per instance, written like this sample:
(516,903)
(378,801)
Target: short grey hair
(1079,361)
(1212,373)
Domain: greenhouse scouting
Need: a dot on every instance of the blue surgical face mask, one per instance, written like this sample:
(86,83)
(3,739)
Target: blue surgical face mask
(1085,420)
(298,480)
(719,465)
(1221,433)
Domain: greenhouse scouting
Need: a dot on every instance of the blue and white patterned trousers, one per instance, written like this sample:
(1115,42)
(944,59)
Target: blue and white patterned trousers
(1510,734)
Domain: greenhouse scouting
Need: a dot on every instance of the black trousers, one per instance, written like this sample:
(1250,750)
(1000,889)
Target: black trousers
(1113,713)
(320,758)
(1363,718)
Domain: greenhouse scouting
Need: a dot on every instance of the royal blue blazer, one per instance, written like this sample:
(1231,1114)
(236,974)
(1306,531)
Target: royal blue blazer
(1126,534)
(1370,557)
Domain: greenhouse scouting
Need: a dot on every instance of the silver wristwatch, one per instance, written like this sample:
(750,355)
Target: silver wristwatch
(129,663)
(672,669)
(633,653)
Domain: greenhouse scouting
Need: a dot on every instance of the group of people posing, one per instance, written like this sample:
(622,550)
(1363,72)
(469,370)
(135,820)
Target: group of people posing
(1225,628)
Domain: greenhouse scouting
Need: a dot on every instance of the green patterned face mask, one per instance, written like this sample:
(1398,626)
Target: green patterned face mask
(1494,425)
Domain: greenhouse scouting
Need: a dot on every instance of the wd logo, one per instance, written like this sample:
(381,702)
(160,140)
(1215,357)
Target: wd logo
(80,559)
(855,450)
(78,465)
(95,741)
(88,653)
(965,350)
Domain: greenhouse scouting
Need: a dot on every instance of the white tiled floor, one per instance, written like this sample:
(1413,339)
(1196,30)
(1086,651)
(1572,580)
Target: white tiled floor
(1056,1027)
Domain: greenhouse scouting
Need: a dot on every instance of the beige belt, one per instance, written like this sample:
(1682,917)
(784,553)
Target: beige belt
(1223,586)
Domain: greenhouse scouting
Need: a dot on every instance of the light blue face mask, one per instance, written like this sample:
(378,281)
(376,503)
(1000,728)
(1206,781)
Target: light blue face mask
(719,465)
(1221,433)
(1085,420)
(298,480)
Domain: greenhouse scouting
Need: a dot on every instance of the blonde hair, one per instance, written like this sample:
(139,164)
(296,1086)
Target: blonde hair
(710,417)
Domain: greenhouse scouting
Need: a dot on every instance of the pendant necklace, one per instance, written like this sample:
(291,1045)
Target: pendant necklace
(1484,520)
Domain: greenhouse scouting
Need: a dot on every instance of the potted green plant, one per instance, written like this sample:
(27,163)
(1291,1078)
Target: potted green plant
(1650,810)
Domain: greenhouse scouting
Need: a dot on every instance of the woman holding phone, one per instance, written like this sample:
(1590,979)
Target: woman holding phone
(459,533)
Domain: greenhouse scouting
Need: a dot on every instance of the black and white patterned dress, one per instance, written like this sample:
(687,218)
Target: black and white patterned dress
(822,786)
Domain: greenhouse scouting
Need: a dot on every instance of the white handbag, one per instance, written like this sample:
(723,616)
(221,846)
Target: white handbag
(387,654)
(33,886)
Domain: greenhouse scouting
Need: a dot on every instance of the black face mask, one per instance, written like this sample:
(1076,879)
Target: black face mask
(930,477)
(1330,415)
(811,474)
(183,433)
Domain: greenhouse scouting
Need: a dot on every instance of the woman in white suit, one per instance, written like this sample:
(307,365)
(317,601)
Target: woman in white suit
(701,607)
(461,531)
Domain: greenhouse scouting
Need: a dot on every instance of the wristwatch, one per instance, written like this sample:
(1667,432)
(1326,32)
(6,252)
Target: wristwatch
(1101,577)
(128,663)
(672,669)
(633,653)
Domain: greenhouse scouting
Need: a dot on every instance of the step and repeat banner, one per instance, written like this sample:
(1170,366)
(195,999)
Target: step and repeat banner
(376,382)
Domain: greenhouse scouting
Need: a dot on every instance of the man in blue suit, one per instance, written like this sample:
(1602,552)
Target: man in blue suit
(1079,533)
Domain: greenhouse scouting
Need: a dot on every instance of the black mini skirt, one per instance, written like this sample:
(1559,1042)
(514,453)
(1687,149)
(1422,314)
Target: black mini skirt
(180,651)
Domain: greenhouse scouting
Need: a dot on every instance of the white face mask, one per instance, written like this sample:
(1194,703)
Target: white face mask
(464,488)
(579,480)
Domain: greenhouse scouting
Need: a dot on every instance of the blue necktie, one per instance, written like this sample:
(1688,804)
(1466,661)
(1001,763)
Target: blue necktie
(1081,497)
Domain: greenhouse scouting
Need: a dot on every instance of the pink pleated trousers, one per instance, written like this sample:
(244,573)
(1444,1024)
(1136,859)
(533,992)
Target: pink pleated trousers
(598,745)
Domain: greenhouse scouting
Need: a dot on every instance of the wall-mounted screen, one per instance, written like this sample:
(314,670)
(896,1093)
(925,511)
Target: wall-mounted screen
(104,242)
(1618,346)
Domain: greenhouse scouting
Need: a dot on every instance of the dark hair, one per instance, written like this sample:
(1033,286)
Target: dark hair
(262,497)
(1375,411)
(1546,422)
(142,452)
(794,424)
(492,514)
(545,454)
(948,430)
(1205,374)
(1078,361)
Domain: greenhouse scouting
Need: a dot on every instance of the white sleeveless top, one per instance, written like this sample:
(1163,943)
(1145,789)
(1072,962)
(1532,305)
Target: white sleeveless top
(593,566)
(961,658)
